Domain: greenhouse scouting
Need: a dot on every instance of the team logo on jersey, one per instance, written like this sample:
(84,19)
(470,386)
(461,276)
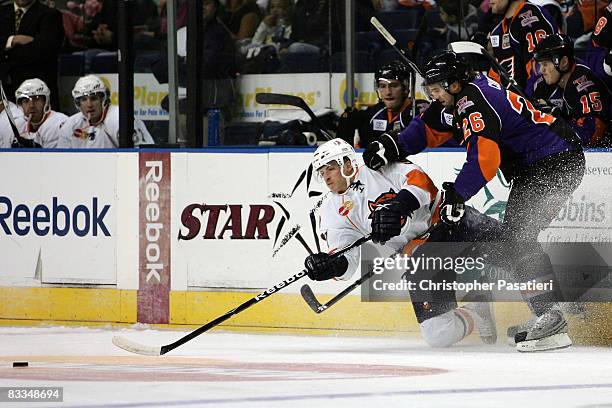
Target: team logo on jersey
(448,118)
(85,134)
(527,18)
(346,208)
(582,83)
(505,41)
(380,201)
(357,185)
(379,124)
(463,104)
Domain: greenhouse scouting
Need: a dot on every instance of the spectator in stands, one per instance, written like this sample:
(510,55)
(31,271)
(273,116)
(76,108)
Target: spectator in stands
(453,20)
(241,18)
(41,124)
(31,35)
(385,5)
(261,54)
(309,30)
(217,59)
(181,16)
(147,25)
(461,19)
(420,4)
(6,132)
(96,125)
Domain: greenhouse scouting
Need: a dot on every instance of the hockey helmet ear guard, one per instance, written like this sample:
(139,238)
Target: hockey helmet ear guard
(335,150)
(33,87)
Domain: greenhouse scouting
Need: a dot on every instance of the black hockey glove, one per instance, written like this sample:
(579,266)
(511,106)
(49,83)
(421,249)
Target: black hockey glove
(389,217)
(322,266)
(453,205)
(384,150)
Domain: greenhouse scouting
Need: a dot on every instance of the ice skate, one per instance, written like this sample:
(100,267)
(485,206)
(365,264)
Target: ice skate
(549,332)
(521,327)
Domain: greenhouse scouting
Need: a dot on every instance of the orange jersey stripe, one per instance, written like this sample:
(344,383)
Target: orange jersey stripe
(435,137)
(494,75)
(419,179)
(489,157)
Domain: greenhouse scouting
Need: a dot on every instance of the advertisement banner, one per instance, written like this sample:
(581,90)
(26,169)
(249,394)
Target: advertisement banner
(155,175)
(222,219)
(58,225)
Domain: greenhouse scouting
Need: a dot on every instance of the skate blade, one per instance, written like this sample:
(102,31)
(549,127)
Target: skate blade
(554,342)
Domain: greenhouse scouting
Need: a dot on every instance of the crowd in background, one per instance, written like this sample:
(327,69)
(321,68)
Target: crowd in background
(253,37)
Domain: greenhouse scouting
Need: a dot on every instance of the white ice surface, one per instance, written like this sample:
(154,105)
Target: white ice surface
(477,376)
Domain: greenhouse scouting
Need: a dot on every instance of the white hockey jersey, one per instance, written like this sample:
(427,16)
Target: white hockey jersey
(6,132)
(76,132)
(47,134)
(344,218)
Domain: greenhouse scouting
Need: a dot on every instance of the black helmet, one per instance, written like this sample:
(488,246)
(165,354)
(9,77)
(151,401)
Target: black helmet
(445,68)
(553,48)
(392,71)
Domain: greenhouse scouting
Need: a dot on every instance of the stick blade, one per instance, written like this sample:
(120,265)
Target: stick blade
(466,47)
(310,299)
(136,348)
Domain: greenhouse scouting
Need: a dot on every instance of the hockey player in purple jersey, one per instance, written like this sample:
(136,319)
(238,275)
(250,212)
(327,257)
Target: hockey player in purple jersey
(602,37)
(582,97)
(522,27)
(540,154)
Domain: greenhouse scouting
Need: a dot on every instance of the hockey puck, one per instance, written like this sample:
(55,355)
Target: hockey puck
(20,363)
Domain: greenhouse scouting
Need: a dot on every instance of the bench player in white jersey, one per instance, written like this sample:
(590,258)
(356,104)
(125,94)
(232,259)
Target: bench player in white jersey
(41,124)
(6,132)
(97,123)
(396,205)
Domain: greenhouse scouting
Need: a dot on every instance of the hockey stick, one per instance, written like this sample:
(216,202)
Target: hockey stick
(317,307)
(266,98)
(468,47)
(18,140)
(137,348)
(393,43)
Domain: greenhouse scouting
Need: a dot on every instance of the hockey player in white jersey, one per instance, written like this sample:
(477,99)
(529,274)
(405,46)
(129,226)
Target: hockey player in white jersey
(97,123)
(41,124)
(395,205)
(7,136)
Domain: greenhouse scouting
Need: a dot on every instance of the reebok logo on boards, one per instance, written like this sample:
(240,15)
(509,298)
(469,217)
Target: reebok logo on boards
(57,219)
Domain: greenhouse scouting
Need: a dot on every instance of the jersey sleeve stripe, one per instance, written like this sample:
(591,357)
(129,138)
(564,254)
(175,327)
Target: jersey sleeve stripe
(489,157)
(420,179)
(436,137)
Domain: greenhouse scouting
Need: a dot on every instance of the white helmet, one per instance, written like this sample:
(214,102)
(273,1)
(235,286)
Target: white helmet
(336,150)
(34,87)
(90,85)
